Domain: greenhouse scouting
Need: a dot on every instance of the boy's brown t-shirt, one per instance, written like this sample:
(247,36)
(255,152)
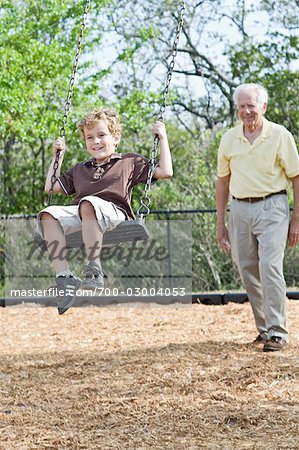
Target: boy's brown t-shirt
(112,181)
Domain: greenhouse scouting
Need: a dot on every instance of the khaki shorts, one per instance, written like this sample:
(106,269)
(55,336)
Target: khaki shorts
(107,214)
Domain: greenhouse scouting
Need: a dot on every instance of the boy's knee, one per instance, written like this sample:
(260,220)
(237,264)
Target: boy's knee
(46,216)
(86,209)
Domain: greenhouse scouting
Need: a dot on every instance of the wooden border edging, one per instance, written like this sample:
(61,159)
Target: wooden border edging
(205,299)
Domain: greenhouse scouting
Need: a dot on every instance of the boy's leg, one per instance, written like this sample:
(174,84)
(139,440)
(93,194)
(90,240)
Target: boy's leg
(93,238)
(54,223)
(56,243)
(91,232)
(66,283)
(98,216)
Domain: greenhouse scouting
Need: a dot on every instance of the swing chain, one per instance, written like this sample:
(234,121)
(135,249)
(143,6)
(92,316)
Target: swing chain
(68,101)
(75,67)
(172,62)
(144,208)
(53,177)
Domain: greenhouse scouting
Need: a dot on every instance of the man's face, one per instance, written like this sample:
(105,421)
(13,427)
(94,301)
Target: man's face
(100,143)
(250,110)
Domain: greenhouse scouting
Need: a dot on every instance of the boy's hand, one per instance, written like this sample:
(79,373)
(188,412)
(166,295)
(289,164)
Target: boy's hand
(159,130)
(59,145)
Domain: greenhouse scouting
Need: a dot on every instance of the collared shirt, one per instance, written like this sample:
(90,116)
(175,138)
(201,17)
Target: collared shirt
(260,168)
(112,180)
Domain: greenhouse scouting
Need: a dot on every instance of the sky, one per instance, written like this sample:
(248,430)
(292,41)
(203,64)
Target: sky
(256,25)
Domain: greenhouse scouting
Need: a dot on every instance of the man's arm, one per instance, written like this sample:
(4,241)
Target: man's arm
(222,194)
(164,168)
(58,145)
(293,236)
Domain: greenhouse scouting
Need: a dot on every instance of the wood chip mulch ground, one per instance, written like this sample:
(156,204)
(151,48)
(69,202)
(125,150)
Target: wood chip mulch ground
(133,377)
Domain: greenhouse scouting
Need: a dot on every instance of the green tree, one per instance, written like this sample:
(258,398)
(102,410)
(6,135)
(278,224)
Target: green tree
(223,44)
(38,41)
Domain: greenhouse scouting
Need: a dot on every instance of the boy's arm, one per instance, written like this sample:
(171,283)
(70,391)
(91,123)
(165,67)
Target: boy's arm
(164,168)
(58,145)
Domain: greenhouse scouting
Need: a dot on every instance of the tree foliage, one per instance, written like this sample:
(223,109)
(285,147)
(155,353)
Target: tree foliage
(38,40)
(224,43)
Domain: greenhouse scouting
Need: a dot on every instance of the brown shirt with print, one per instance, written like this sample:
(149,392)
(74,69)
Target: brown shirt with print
(112,181)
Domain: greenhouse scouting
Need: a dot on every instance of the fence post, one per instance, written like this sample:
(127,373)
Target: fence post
(169,247)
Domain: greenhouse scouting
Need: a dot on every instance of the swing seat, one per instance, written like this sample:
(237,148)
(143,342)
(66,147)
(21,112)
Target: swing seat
(126,231)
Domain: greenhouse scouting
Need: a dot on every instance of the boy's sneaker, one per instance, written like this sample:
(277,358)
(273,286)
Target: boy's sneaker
(93,277)
(66,287)
(274,344)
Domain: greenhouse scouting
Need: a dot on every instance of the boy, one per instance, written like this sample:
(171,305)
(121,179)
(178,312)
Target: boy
(103,187)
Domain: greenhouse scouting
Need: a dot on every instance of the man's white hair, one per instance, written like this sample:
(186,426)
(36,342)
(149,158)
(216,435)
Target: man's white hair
(261,92)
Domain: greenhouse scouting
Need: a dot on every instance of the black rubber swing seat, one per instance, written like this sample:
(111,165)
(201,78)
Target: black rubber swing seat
(126,231)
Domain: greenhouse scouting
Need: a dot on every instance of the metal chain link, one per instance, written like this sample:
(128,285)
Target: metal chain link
(68,101)
(144,208)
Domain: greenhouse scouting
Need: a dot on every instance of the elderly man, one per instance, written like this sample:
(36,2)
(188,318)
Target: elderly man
(257,161)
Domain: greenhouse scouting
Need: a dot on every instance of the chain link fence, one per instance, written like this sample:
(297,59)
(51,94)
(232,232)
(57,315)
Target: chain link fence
(210,269)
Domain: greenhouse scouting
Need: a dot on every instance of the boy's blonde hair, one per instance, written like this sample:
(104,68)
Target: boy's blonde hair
(92,118)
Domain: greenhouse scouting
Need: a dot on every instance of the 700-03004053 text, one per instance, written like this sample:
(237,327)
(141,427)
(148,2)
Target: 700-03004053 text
(138,292)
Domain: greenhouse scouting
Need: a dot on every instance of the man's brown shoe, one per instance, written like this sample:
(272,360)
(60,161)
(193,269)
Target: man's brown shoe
(259,341)
(275,344)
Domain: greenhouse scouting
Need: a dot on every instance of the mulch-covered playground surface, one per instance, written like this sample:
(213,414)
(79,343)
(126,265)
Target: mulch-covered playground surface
(133,377)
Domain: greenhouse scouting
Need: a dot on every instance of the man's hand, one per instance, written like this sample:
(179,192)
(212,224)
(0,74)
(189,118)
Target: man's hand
(223,240)
(293,235)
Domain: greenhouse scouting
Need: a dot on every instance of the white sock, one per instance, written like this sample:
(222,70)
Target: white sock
(65,273)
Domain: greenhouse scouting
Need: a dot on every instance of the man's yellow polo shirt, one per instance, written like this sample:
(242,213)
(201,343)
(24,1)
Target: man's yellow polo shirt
(260,168)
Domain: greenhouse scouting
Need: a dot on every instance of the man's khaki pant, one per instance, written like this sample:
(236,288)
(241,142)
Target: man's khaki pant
(258,234)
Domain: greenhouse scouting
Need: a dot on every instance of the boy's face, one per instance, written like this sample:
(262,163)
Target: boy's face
(100,143)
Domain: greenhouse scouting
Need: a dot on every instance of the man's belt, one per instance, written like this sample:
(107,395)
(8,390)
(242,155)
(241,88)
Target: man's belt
(258,199)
